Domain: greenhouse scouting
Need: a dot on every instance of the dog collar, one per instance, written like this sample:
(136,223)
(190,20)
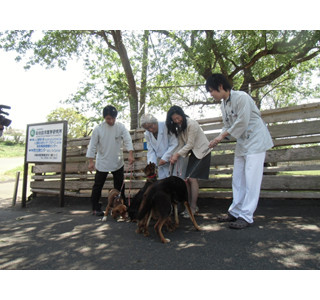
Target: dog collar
(152,176)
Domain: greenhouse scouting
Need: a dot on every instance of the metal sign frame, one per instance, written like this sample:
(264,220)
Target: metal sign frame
(46,143)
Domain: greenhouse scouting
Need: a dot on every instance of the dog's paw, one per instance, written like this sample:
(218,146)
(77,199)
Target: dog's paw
(165,241)
(104,219)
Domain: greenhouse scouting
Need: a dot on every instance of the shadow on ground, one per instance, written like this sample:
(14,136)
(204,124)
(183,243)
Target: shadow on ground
(285,235)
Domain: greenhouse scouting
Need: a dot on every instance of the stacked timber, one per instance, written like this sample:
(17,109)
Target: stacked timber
(79,181)
(292,166)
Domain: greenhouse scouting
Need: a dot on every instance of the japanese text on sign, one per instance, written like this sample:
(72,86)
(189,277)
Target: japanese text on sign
(45,142)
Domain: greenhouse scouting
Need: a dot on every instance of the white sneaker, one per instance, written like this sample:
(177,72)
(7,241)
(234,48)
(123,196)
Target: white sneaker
(185,214)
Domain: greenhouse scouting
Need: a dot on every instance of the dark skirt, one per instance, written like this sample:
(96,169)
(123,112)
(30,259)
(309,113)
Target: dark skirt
(198,168)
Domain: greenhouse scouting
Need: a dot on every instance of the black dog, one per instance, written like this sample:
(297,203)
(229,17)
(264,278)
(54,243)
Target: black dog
(158,202)
(151,173)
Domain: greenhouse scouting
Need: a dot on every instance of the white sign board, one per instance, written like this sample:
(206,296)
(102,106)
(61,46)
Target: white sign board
(45,142)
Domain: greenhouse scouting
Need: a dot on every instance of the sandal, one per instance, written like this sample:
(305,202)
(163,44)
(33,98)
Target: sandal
(185,214)
(226,218)
(239,224)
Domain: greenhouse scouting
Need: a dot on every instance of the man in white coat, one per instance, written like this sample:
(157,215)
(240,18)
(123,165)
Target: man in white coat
(242,120)
(160,144)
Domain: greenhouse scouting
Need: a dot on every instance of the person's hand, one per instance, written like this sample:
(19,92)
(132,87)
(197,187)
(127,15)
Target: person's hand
(216,141)
(91,165)
(213,143)
(131,158)
(174,158)
(162,162)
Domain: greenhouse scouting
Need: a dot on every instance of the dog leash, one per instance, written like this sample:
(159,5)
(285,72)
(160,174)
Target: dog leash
(131,173)
(171,169)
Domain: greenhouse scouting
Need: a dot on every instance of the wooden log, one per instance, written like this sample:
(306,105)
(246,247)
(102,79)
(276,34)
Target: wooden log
(77,167)
(270,182)
(81,185)
(297,112)
(285,134)
(273,156)
(293,154)
(263,195)
(294,129)
(85,176)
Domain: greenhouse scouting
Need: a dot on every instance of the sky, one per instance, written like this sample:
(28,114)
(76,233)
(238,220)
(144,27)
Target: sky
(34,93)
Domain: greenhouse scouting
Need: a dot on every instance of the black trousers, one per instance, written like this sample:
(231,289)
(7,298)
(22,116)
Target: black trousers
(100,179)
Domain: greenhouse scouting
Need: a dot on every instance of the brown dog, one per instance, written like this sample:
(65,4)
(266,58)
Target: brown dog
(159,201)
(116,203)
(151,174)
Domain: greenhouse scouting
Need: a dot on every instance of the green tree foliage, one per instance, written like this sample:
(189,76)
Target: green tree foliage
(138,70)
(78,125)
(14,135)
(263,63)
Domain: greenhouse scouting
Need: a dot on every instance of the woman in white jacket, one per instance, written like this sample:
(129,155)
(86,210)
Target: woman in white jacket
(160,144)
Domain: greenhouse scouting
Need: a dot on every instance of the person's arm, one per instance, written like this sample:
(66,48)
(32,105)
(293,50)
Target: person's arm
(92,149)
(172,145)
(243,111)
(128,144)
(192,131)
(151,154)
(218,139)
(131,157)
(91,166)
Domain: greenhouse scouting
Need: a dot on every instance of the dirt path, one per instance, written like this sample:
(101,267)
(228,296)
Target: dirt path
(7,186)
(10,163)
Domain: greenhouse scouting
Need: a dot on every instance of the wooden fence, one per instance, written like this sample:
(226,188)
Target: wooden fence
(292,168)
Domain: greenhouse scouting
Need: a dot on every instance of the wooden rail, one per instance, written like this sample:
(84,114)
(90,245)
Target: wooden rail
(291,170)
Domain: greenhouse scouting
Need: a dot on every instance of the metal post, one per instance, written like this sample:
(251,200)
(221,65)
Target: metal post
(24,187)
(25,173)
(15,192)
(63,163)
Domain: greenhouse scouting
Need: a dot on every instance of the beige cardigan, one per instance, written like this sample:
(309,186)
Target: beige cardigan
(192,138)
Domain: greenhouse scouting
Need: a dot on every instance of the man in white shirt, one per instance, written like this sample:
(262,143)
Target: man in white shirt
(242,120)
(106,145)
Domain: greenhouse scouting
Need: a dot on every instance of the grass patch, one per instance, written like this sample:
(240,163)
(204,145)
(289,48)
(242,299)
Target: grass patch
(8,149)
(11,174)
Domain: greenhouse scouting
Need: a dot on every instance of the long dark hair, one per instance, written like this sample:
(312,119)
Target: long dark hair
(172,127)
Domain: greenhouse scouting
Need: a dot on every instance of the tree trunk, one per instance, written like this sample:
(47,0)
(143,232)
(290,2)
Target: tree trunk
(143,92)
(133,95)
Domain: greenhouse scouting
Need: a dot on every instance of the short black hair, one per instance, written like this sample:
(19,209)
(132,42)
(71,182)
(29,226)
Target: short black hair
(110,110)
(215,80)
(172,127)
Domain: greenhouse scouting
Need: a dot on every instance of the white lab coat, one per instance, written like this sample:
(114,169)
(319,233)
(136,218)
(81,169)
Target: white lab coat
(242,119)
(161,148)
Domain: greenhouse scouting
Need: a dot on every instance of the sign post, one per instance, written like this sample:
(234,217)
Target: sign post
(46,143)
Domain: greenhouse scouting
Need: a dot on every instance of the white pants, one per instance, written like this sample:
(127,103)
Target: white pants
(246,183)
